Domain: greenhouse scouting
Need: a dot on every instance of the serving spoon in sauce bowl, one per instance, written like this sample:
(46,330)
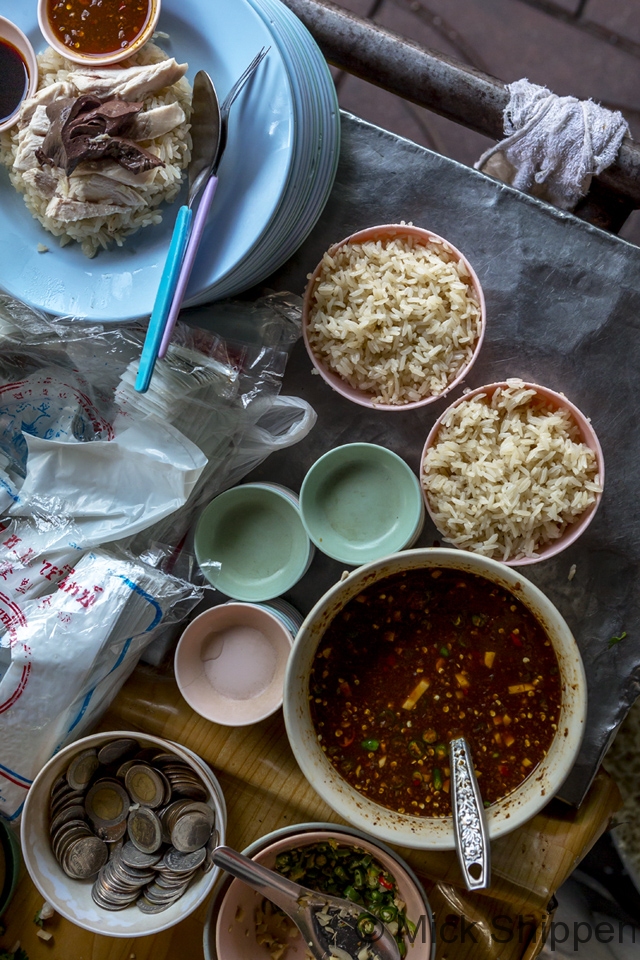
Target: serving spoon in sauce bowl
(469,821)
(331,927)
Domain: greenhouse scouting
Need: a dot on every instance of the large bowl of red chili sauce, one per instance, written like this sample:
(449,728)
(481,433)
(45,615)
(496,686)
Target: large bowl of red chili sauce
(412,650)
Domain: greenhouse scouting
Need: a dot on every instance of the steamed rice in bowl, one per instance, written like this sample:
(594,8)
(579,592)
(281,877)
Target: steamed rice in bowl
(100,202)
(512,471)
(393,316)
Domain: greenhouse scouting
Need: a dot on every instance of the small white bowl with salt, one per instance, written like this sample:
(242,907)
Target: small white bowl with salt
(230,663)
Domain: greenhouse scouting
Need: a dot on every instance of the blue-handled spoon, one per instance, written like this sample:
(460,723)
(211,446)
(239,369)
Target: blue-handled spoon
(205,134)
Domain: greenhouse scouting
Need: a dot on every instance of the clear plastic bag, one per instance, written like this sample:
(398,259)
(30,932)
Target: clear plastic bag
(116,462)
(86,461)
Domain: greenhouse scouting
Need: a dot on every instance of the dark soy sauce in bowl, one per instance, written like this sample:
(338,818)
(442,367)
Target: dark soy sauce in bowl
(15,79)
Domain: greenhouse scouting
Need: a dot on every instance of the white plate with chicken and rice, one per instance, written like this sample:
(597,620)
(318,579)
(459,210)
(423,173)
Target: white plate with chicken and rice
(120,282)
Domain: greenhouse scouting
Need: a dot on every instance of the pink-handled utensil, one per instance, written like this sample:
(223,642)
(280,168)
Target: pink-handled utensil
(205,135)
(204,205)
(197,228)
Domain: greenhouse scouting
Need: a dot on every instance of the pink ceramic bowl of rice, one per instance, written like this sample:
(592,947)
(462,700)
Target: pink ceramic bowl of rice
(393,317)
(513,471)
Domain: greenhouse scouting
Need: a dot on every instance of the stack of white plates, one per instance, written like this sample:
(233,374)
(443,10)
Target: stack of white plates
(316,136)
(274,178)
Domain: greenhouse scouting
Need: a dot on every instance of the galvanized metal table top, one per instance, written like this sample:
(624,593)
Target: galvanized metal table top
(563,310)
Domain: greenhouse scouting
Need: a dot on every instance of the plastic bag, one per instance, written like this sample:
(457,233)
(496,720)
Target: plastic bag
(86,461)
(115,462)
(70,651)
(110,488)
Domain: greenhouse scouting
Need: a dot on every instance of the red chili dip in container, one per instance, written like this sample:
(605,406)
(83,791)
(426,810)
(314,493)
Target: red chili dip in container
(98,31)
(421,657)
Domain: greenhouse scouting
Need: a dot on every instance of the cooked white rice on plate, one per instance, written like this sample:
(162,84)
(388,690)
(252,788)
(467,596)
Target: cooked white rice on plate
(506,476)
(146,193)
(397,319)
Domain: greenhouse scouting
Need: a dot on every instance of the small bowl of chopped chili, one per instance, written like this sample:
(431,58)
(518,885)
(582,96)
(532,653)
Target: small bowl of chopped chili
(97,34)
(328,858)
(418,648)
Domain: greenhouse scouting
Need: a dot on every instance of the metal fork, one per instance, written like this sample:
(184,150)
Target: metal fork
(200,217)
(229,99)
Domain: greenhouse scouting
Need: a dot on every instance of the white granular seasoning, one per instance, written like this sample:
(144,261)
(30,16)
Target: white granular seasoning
(507,475)
(396,319)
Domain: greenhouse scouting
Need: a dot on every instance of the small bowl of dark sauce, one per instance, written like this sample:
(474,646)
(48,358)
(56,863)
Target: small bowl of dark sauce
(98,32)
(18,69)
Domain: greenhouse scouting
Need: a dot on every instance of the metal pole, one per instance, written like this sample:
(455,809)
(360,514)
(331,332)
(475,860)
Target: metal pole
(440,83)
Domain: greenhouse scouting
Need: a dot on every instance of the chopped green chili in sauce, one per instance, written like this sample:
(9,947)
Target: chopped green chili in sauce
(385,700)
(350,873)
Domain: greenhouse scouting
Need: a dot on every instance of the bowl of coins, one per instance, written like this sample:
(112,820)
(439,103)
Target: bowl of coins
(118,832)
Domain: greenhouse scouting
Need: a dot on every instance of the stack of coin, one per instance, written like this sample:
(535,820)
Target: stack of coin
(77,850)
(187,824)
(180,775)
(174,874)
(120,881)
(153,797)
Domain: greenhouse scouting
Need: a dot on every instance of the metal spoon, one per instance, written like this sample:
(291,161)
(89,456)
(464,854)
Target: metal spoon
(200,218)
(469,821)
(330,926)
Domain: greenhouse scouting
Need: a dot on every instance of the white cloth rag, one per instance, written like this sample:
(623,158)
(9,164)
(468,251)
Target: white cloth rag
(554,145)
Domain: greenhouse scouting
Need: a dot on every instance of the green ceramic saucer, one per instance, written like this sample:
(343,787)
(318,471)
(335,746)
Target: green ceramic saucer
(251,544)
(360,502)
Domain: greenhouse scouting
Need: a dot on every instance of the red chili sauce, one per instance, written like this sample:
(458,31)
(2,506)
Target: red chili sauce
(98,26)
(419,658)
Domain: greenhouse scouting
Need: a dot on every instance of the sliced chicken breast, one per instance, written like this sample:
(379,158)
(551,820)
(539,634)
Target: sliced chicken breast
(113,170)
(28,143)
(132,83)
(40,123)
(98,189)
(44,181)
(157,122)
(45,96)
(69,211)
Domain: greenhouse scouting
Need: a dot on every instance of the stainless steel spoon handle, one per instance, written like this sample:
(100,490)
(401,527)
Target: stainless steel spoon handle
(472,837)
(272,885)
